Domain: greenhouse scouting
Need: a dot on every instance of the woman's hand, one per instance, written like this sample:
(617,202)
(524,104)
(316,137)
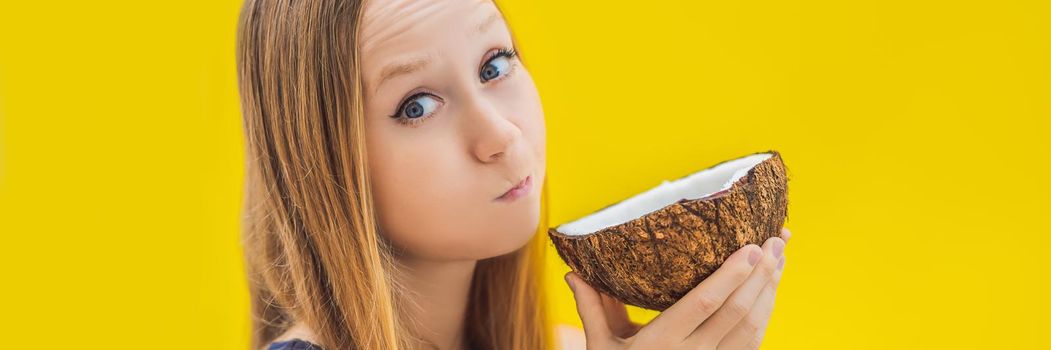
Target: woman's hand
(728,310)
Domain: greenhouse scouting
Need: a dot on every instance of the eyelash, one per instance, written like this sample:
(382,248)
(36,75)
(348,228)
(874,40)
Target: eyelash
(401,108)
(510,53)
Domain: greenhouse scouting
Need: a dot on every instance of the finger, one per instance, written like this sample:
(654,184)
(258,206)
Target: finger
(785,234)
(740,302)
(617,317)
(748,333)
(777,279)
(679,320)
(590,309)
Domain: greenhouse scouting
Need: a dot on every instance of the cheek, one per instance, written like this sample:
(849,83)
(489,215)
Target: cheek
(432,201)
(520,101)
(532,121)
(446,218)
(410,190)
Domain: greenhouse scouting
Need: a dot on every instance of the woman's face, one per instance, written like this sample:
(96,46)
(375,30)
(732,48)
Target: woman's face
(453,121)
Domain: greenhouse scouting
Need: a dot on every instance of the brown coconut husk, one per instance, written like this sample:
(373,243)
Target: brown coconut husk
(655,259)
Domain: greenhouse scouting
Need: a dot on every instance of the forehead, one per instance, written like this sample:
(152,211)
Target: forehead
(399,25)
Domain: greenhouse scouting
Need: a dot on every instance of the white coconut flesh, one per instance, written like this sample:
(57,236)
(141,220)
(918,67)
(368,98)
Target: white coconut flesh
(693,186)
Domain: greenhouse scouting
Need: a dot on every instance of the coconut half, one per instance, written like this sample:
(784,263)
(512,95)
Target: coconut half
(651,249)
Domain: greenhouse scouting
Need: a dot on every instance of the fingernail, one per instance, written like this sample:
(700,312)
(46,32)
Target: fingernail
(754,256)
(787,235)
(570,283)
(779,248)
(781,264)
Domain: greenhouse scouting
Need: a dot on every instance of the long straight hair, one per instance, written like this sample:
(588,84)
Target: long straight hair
(313,252)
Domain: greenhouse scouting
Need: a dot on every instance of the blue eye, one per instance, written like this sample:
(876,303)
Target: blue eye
(418,106)
(498,65)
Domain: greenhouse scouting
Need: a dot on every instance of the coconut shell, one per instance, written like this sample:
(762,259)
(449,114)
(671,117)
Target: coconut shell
(655,259)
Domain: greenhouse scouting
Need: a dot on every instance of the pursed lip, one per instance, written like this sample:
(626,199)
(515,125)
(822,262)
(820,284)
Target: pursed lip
(516,186)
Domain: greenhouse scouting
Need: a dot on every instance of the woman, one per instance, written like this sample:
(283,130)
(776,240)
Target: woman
(396,158)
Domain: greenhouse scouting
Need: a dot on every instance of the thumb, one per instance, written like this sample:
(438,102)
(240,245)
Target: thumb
(590,308)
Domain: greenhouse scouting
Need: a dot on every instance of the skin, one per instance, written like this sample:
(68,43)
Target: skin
(435,182)
(728,310)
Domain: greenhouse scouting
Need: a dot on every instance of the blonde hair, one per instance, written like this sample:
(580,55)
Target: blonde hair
(313,252)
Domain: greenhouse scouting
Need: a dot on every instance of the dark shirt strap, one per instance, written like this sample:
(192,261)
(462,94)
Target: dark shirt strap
(294,344)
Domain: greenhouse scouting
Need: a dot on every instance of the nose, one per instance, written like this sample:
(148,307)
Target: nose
(494,134)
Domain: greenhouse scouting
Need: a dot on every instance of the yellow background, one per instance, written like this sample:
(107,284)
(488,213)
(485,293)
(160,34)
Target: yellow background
(915,133)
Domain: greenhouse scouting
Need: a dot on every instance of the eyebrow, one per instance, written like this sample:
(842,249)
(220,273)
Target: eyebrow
(402,68)
(418,63)
(488,21)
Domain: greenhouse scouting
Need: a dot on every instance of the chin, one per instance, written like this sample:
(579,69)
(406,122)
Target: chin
(514,238)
